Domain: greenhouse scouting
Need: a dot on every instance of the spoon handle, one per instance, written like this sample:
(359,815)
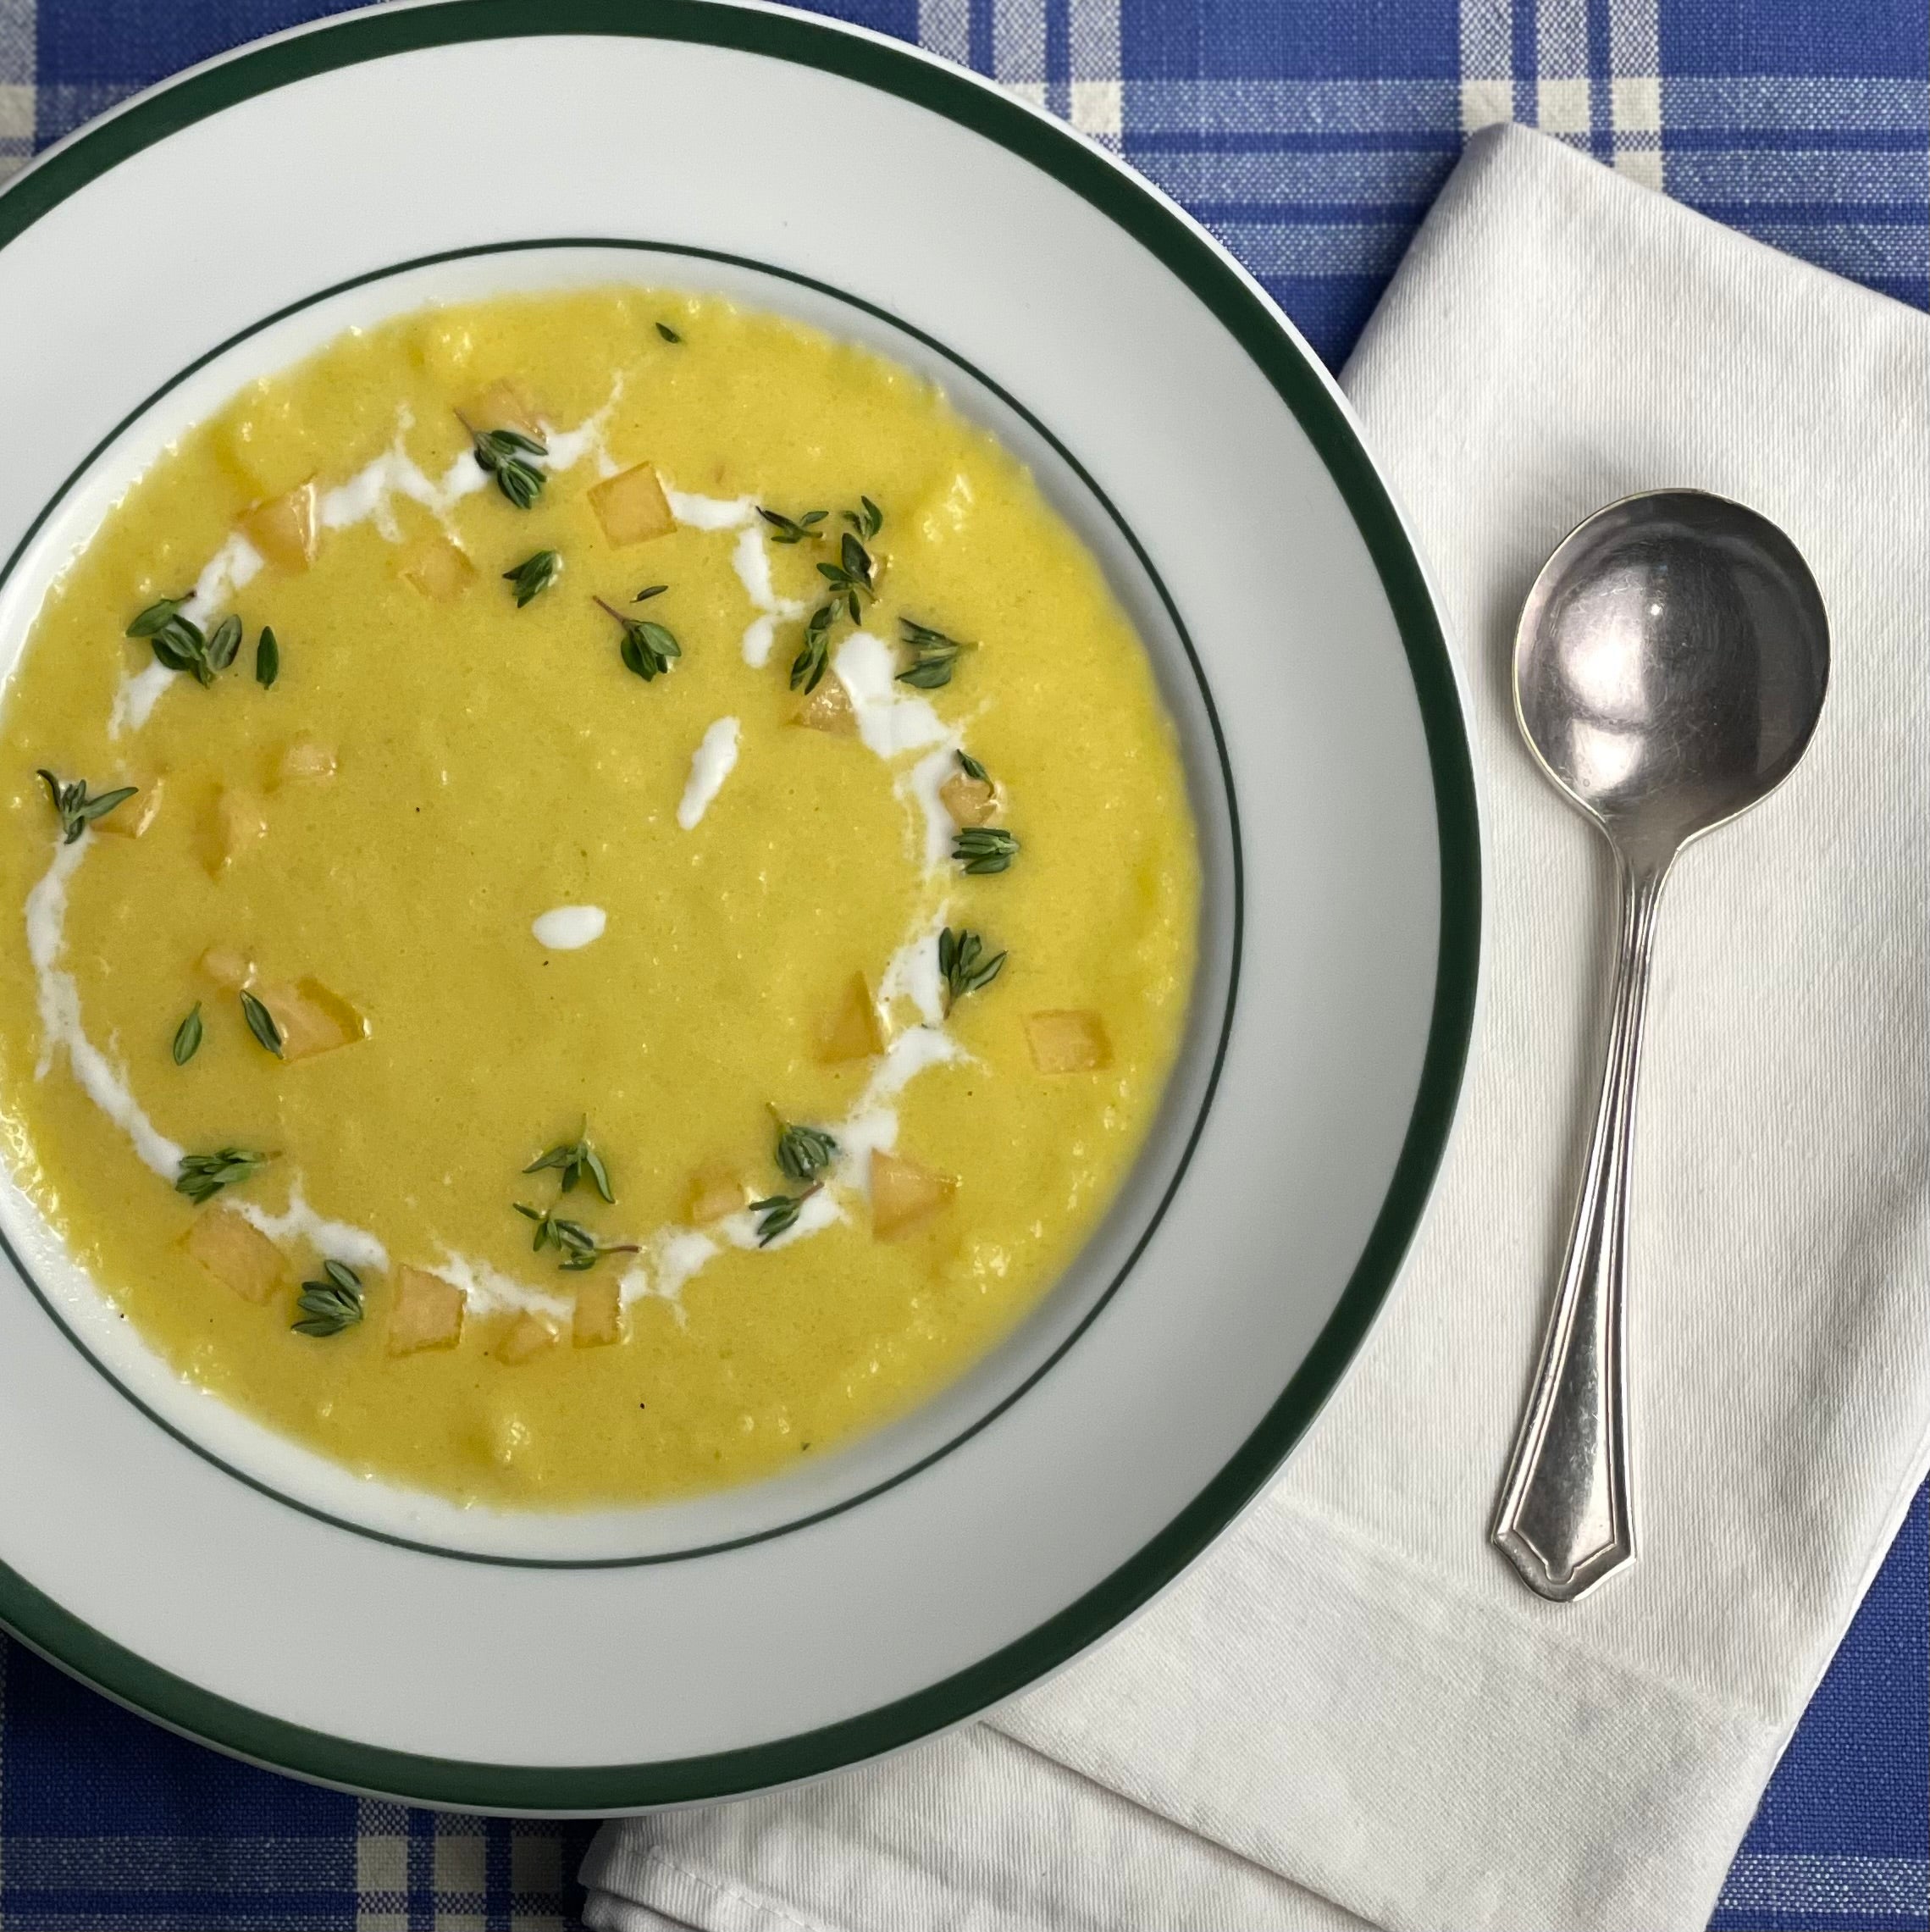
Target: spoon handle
(1562,1518)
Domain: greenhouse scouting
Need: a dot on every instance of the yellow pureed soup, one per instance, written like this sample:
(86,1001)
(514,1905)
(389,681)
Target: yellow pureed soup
(655,908)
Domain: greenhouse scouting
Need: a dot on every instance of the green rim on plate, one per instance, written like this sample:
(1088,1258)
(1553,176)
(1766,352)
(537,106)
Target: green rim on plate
(1244,311)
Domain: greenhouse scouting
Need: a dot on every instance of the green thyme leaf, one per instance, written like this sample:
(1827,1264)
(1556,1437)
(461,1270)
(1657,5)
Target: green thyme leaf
(803,1151)
(331,1305)
(177,641)
(647,649)
(505,455)
(159,615)
(267,658)
(669,334)
(962,963)
(224,642)
(648,591)
(534,575)
(933,655)
(972,769)
(577,1245)
(793,529)
(867,519)
(260,1023)
(574,1160)
(187,1036)
(778,1214)
(75,810)
(203,1175)
(984,848)
(814,654)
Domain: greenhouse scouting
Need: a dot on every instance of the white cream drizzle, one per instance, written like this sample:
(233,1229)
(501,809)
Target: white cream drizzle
(488,1291)
(565,928)
(60,1015)
(912,972)
(713,762)
(337,1239)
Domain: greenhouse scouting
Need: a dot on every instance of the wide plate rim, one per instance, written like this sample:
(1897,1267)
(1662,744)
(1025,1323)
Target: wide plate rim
(1282,356)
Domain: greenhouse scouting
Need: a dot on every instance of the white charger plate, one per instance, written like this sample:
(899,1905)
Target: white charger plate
(182,1559)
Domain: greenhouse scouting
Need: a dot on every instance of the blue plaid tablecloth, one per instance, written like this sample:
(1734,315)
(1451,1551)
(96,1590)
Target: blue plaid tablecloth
(1310,135)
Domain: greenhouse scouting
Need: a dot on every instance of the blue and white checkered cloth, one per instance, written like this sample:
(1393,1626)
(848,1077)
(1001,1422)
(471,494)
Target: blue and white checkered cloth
(1310,135)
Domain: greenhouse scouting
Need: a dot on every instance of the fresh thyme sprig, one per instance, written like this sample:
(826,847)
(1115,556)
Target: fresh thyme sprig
(534,575)
(331,1305)
(793,529)
(187,1037)
(179,643)
(575,1160)
(648,591)
(267,658)
(669,334)
(76,810)
(505,455)
(814,654)
(963,964)
(851,577)
(647,649)
(778,1213)
(933,655)
(260,1023)
(802,1150)
(203,1175)
(972,769)
(850,580)
(984,848)
(579,1248)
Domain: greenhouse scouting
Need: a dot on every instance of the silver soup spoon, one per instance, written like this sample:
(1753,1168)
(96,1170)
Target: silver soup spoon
(1669,669)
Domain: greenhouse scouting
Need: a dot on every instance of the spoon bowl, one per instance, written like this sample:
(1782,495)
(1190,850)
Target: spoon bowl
(1670,665)
(1669,670)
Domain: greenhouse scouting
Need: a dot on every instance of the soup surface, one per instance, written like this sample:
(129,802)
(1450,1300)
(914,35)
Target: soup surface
(655,908)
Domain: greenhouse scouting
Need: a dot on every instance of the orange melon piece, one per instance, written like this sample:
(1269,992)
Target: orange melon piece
(715,1192)
(239,821)
(313,1019)
(235,1252)
(828,709)
(427,1313)
(852,1031)
(905,1195)
(285,529)
(970,801)
(1067,1042)
(599,1314)
(438,568)
(632,507)
(528,1337)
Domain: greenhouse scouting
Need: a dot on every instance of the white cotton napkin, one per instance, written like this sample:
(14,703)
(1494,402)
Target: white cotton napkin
(1351,1706)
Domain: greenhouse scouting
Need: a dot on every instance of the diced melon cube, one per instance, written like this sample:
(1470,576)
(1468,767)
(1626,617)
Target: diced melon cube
(714,1192)
(130,820)
(427,1313)
(285,530)
(235,1252)
(239,821)
(438,568)
(529,1335)
(905,1195)
(313,1019)
(970,801)
(828,708)
(305,758)
(1072,1041)
(228,966)
(632,507)
(503,406)
(599,1316)
(852,1032)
